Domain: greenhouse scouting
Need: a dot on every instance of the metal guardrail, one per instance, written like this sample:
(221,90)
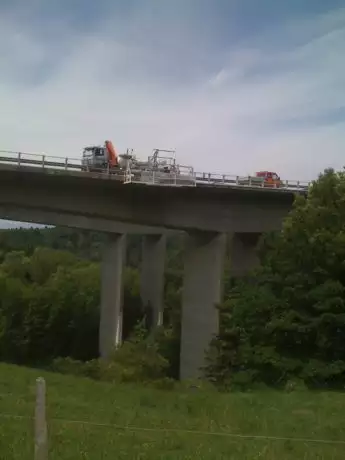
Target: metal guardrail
(248,181)
(41,161)
(160,178)
(21,159)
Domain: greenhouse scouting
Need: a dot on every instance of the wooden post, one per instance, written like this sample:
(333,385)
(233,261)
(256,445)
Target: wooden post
(41,439)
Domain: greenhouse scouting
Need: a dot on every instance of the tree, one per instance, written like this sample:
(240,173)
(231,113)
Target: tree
(288,321)
(50,295)
(49,306)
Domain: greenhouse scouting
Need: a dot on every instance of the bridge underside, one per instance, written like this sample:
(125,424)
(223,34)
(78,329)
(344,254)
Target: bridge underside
(184,208)
(45,217)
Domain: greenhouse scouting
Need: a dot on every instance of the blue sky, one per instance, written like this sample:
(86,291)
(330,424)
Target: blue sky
(234,85)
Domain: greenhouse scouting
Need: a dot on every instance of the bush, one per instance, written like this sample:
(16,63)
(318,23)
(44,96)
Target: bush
(137,360)
(71,366)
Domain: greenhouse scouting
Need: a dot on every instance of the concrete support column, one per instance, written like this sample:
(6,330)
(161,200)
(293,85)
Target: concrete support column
(110,331)
(203,276)
(243,256)
(152,275)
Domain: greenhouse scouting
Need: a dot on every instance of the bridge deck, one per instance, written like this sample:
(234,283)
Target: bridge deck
(53,165)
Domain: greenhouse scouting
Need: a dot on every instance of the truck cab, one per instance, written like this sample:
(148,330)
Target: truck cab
(271,179)
(94,157)
(98,157)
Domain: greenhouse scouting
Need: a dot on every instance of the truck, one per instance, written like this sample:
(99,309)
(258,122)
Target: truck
(100,158)
(262,179)
(159,168)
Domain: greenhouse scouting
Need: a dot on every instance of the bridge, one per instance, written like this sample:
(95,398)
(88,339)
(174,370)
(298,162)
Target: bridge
(200,179)
(214,211)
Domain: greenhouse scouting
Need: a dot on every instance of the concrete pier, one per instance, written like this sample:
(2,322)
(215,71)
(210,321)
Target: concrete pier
(152,275)
(110,331)
(243,255)
(204,263)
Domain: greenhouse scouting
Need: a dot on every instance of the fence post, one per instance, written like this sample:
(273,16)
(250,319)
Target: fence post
(41,437)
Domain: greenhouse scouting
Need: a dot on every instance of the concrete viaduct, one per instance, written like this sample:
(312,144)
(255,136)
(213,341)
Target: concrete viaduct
(208,215)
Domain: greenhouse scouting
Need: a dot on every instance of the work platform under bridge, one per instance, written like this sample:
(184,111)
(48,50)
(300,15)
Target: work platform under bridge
(160,170)
(152,177)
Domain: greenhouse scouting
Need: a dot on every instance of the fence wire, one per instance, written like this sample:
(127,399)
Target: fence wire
(133,428)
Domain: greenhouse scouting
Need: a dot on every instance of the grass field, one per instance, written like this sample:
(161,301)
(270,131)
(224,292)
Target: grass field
(72,401)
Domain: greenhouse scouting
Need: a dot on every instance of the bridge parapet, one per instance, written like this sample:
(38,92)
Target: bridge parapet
(185,176)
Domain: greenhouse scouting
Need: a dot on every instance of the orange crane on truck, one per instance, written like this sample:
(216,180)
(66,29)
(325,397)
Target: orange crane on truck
(101,158)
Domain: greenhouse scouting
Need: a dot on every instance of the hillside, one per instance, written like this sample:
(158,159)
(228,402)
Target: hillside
(107,409)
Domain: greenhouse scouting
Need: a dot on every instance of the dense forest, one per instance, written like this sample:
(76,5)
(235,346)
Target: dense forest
(50,296)
(282,323)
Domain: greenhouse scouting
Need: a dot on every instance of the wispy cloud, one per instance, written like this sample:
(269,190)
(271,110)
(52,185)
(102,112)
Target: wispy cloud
(158,76)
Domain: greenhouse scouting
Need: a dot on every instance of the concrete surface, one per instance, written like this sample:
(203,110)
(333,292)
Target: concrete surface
(202,291)
(152,275)
(182,208)
(110,330)
(243,252)
(46,217)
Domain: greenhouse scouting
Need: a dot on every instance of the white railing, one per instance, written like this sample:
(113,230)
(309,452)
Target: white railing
(151,177)
(248,181)
(184,177)
(40,161)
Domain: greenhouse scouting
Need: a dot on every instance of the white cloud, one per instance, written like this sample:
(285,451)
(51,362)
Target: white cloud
(145,93)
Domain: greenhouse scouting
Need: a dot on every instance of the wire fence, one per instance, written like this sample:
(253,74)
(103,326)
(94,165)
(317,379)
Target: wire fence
(179,431)
(41,431)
